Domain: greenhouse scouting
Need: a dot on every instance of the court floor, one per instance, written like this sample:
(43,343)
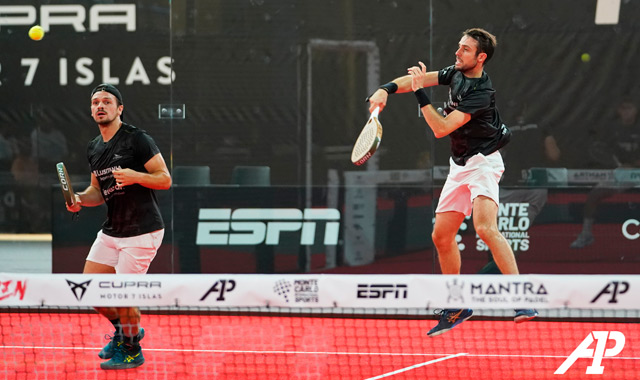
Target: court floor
(180,347)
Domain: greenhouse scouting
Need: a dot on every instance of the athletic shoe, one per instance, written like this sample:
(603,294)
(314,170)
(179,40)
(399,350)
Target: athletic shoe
(450,318)
(108,350)
(583,240)
(523,315)
(124,357)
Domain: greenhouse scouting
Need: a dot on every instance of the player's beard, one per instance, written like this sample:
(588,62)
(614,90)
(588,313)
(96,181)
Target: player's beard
(105,120)
(464,68)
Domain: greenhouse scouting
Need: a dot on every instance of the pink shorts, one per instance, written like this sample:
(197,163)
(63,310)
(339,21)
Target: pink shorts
(131,255)
(480,176)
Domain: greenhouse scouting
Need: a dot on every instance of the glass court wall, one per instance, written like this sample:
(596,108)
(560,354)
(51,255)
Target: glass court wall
(256,104)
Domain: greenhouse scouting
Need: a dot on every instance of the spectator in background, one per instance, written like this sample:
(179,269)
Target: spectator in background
(624,152)
(7,152)
(527,134)
(24,167)
(32,205)
(7,148)
(48,146)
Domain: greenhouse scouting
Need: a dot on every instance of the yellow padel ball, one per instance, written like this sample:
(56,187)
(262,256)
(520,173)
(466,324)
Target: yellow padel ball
(585,57)
(36,33)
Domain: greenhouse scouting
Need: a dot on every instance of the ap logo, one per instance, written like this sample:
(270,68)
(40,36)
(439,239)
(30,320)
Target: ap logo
(583,351)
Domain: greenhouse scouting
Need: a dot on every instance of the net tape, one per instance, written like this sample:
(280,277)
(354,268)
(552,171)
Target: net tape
(322,291)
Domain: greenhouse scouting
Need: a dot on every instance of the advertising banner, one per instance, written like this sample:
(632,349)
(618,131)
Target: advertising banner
(323,291)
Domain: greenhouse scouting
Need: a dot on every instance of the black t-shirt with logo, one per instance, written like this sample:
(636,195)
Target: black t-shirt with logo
(132,210)
(485,132)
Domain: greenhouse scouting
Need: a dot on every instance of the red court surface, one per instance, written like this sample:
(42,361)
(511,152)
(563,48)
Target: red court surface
(180,347)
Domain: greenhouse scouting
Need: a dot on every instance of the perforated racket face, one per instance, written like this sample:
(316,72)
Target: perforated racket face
(65,184)
(368,140)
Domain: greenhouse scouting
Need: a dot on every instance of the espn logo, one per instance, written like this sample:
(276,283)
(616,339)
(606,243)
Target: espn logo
(252,226)
(397,291)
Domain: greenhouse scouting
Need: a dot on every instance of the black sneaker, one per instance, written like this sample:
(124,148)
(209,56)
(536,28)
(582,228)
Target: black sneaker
(523,315)
(450,318)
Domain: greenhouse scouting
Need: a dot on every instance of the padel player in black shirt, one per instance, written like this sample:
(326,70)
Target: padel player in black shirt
(476,132)
(126,168)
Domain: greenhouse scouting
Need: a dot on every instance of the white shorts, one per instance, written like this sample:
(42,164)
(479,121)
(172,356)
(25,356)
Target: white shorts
(480,176)
(131,255)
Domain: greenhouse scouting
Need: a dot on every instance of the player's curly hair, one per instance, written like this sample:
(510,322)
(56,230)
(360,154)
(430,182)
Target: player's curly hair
(487,42)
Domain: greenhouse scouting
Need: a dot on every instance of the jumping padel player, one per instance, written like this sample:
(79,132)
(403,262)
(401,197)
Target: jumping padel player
(472,122)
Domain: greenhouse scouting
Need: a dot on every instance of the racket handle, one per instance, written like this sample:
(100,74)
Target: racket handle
(375,112)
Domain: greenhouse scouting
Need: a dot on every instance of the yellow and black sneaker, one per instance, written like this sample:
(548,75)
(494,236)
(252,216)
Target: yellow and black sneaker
(110,348)
(125,356)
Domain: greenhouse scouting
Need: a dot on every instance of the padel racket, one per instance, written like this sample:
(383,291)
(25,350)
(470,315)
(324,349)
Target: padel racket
(368,141)
(65,184)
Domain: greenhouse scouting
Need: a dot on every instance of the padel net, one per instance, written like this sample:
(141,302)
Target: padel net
(228,326)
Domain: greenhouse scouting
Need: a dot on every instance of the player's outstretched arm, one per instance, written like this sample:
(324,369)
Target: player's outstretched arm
(399,85)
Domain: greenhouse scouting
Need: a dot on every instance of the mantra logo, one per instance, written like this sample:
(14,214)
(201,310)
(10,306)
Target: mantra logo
(513,222)
(455,291)
(508,291)
(382,291)
(74,15)
(253,226)
(600,351)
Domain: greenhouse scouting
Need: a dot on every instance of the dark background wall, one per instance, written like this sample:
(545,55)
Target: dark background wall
(242,73)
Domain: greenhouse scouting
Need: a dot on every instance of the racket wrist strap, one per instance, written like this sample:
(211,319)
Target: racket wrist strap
(390,87)
(423,98)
